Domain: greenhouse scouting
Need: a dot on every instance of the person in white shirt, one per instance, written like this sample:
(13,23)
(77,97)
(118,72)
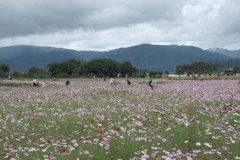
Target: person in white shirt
(35,82)
(111,81)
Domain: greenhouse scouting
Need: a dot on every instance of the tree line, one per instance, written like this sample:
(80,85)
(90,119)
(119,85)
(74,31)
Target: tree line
(198,68)
(108,68)
(96,67)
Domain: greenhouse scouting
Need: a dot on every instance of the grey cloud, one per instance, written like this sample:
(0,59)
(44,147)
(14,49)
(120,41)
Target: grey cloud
(108,24)
(37,17)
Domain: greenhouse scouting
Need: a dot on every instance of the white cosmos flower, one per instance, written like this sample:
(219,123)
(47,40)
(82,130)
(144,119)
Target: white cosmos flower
(198,144)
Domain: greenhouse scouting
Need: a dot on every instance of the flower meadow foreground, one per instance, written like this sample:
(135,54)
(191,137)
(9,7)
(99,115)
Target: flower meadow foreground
(193,120)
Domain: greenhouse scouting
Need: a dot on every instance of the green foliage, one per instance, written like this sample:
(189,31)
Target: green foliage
(34,70)
(16,74)
(198,68)
(53,68)
(66,66)
(181,69)
(154,74)
(167,73)
(127,69)
(69,66)
(108,67)
(142,73)
(5,68)
(236,69)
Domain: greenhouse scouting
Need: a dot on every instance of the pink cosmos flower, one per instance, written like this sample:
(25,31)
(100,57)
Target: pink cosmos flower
(52,157)
(153,155)
(225,148)
(26,154)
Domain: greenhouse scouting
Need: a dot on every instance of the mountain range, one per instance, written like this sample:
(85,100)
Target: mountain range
(144,56)
(234,54)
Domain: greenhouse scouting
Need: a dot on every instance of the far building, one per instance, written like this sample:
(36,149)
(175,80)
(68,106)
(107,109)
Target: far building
(228,71)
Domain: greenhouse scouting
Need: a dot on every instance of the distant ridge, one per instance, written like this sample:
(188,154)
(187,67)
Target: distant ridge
(226,52)
(144,56)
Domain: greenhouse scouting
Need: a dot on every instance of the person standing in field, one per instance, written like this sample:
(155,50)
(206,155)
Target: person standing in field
(67,82)
(111,81)
(150,84)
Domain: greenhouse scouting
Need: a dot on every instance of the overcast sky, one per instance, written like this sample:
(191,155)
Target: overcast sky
(110,24)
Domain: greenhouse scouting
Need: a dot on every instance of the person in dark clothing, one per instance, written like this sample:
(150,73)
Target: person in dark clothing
(67,82)
(150,84)
(128,82)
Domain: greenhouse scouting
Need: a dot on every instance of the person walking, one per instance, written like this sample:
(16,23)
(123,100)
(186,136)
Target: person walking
(150,84)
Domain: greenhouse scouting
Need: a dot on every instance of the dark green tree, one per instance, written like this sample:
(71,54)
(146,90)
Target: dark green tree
(152,74)
(5,68)
(167,73)
(199,68)
(84,68)
(32,72)
(69,66)
(16,74)
(54,68)
(181,69)
(143,73)
(97,67)
(128,68)
(236,69)
(113,68)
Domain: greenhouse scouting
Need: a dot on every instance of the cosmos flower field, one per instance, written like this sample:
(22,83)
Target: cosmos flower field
(193,120)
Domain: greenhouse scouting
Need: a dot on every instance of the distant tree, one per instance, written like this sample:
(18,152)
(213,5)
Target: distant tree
(167,73)
(5,68)
(84,68)
(128,68)
(113,68)
(97,66)
(198,68)
(70,66)
(160,74)
(152,74)
(236,69)
(34,70)
(181,69)
(16,74)
(142,73)
(54,68)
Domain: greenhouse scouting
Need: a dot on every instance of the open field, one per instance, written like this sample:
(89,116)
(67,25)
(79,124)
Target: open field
(186,119)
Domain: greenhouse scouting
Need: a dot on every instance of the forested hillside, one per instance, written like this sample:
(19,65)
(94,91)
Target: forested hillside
(145,56)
